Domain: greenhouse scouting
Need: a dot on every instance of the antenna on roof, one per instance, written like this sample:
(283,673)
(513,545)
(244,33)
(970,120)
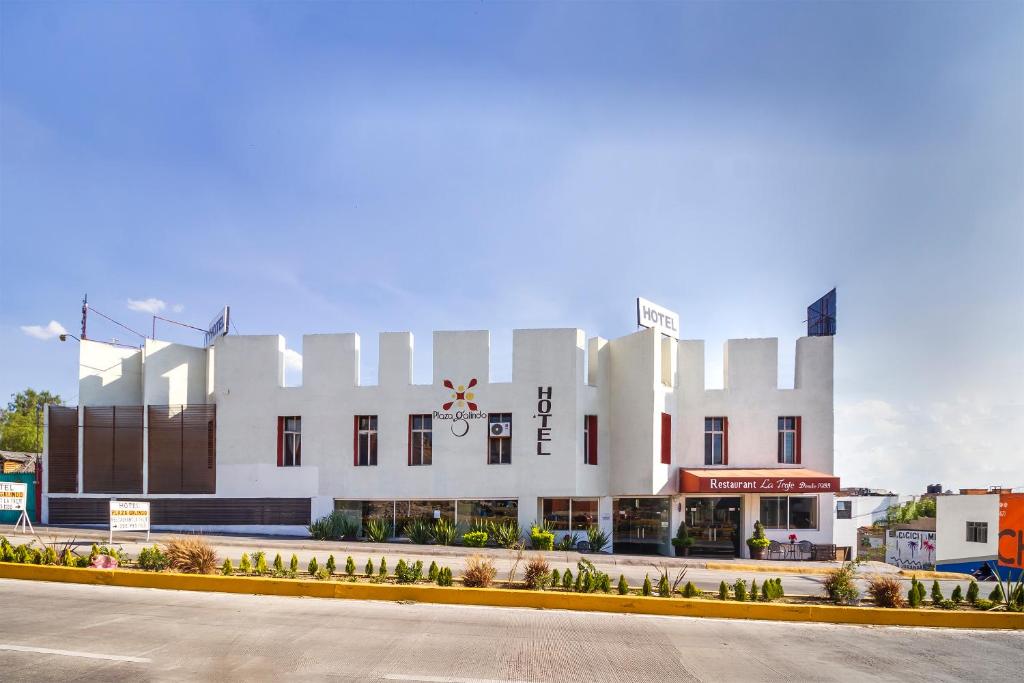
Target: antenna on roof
(85,313)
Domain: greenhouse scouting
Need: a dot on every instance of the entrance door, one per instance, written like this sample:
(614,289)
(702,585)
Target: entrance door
(715,525)
(641,525)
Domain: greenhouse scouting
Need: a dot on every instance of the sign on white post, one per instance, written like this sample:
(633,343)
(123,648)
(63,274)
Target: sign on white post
(14,497)
(652,315)
(129,515)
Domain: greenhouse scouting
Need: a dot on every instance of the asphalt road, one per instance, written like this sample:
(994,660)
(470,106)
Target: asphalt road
(69,632)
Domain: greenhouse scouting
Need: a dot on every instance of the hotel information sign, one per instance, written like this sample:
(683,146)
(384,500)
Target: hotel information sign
(129,515)
(13,495)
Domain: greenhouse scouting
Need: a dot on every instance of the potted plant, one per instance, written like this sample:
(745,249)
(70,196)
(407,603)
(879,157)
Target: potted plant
(758,543)
(682,541)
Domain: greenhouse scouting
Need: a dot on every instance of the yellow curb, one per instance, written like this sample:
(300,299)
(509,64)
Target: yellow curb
(501,597)
(921,574)
(765,569)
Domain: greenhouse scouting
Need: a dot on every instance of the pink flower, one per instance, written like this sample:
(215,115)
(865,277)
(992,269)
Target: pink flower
(792,538)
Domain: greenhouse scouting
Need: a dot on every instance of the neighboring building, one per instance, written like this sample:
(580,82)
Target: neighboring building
(912,545)
(967,529)
(853,512)
(621,434)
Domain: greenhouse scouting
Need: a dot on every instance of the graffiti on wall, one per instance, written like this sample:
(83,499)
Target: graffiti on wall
(910,549)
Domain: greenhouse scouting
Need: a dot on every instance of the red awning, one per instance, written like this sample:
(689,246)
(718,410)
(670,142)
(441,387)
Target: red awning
(785,480)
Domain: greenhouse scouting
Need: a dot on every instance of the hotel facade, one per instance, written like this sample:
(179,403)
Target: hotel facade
(621,434)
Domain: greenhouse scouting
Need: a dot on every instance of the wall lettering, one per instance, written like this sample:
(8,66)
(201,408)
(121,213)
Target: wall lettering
(544,415)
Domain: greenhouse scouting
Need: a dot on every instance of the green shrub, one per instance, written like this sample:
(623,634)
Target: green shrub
(540,539)
(840,586)
(152,559)
(972,592)
(382,571)
(604,583)
(556,578)
(68,559)
(444,576)
(753,591)
(245,566)
(664,590)
(723,591)
(568,542)
(766,591)
(945,604)
(577,584)
(377,529)
(406,573)
(261,563)
(937,595)
(623,586)
(690,590)
(958,596)
(778,585)
(331,567)
(444,531)
(997,594)
(226,569)
(333,527)
(567,579)
(417,569)
(278,565)
(506,534)
(739,590)
(914,595)
(322,574)
(588,578)
(312,568)
(418,531)
(983,604)
(350,566)
(50,555)
(598,539)
(369,567)
(646,589)
(920,591)
(432,571)
(474,539)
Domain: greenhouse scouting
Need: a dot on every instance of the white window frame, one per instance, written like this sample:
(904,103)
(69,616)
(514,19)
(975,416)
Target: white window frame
(720,433)
(977,527)
(294,437)
(817,514)
(848,506)
(788,440)
(505,442)
(417,440)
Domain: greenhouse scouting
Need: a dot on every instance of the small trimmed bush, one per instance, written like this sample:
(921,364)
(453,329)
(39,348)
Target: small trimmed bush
(312,568)
(937,595)
(541,539)
(406,573)
(479,573)
(623,585)
(474,539)
(739,590)
(433,571)
(997,594)
(753,591)
(567,579)
(350,566)
(886,591)
(226,569)
(840,587)
(278,565)
(68,559)
(245,565)
(444,576)
(604,583)
(972,592)
(382,570)
(293,565)
(151,559)
(190,555)
(664,590)
(691,591)
(368,570)
(322,574)
(331,566)
(261,563)
(556,578)
(723,591)
(945,604)
(647,588)
(914,595)
(957,596)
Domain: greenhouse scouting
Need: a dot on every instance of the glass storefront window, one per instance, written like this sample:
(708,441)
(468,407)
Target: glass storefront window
(641,524)
(584,513)
(497,511)
(789,512)
(427,510)
(556,513)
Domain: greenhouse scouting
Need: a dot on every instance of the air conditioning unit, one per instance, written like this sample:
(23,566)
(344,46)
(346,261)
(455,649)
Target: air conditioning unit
(501,429)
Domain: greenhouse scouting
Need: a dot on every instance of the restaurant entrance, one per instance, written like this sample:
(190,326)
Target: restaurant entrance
(714,523)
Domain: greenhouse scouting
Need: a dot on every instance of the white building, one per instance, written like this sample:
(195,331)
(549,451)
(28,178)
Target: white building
(619,433)
(967,532)
(853,512)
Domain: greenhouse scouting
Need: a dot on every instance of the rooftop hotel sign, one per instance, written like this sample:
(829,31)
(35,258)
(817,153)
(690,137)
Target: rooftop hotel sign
(649,314)
(781,481)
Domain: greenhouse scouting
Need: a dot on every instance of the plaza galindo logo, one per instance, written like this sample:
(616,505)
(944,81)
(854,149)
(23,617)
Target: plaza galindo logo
(462,400)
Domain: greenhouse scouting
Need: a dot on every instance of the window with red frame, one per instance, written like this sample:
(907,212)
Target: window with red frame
(666,439)
(590,439)
(289,441)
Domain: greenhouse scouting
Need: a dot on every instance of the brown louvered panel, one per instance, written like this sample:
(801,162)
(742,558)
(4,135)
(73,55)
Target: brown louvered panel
(112,450)
(165,449)
(127,470)
(183,511)
(198,458)
(98,450)
(62,460)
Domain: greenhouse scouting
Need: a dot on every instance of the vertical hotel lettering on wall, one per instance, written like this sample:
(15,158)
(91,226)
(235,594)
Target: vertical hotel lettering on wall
(544,415)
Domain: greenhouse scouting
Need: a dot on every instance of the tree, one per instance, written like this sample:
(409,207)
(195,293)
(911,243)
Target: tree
(19,429)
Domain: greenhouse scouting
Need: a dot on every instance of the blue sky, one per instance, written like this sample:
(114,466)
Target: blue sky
(327,167)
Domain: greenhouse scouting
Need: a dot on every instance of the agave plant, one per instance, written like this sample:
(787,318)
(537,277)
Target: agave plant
(506,534)
(378,529)
(418,531)
(599,539)
(569,541)
(444,532)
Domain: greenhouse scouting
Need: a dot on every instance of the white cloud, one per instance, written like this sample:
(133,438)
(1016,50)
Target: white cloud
(48,332)
(178,308)
(292,360)
(149,305)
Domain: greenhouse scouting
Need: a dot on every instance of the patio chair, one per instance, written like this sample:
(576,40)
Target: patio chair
(805,550)
(776,551)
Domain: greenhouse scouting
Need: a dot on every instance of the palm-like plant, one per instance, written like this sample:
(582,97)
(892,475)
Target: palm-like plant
(418,531)
(444,531)
(378,529)
(506,534)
